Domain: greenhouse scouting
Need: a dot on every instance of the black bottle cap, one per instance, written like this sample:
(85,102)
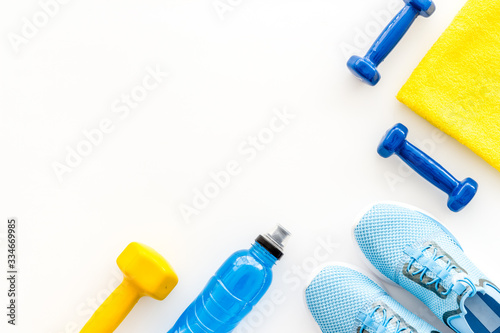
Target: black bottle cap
(275,241)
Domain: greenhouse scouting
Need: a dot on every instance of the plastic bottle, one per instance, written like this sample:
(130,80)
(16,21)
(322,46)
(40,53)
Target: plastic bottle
(235,288)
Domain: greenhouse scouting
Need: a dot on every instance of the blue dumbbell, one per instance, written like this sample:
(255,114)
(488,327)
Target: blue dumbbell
(460,193)
(366,68)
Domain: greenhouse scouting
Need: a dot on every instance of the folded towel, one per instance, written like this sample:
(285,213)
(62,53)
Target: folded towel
(456,87)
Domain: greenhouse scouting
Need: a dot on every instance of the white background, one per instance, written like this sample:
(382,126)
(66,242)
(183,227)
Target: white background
(226,76)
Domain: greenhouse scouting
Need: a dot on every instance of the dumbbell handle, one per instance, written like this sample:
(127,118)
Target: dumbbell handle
(392,34)
(427,167)
(114,309)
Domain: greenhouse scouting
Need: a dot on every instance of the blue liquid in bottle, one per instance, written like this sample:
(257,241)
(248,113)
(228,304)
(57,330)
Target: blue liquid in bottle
(235,288)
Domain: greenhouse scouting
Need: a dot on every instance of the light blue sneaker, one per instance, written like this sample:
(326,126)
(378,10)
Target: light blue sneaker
(418,253)
(343,300)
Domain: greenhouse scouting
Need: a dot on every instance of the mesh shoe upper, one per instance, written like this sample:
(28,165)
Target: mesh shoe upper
(343,300)
(416,252)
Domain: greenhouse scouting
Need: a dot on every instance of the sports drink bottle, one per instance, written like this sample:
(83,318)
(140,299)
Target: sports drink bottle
(235,288)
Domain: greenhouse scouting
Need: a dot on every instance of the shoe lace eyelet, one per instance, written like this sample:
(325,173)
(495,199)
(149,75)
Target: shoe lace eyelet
(430,264)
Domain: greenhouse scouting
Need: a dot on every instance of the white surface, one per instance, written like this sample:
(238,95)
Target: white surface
(225,79)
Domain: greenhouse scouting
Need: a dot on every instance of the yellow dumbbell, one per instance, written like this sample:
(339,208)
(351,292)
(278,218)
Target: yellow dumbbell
(146,273)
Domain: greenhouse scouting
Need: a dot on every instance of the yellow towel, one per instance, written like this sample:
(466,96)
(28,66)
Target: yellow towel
(456,87)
